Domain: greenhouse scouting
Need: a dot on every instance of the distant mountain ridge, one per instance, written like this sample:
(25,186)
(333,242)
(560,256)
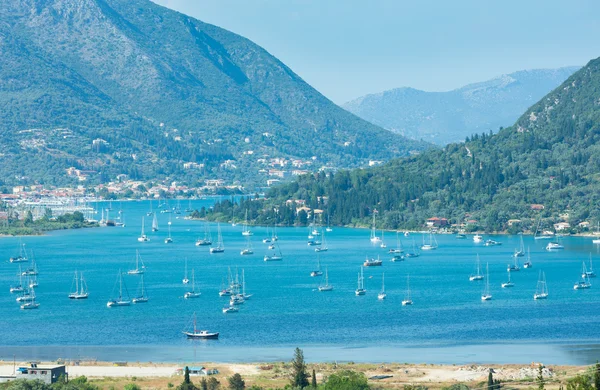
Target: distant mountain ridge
(444,117)
(156,89)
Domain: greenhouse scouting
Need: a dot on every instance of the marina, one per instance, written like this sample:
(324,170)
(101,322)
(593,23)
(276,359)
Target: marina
(287,307)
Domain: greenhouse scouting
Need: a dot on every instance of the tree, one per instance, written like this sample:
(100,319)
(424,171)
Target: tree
(540,378)
(314,379)
(597,376)
(213,383)
(299,376)
(131,386)
(187,383)
(580,382)
(347,380)
(236,382)
(203,384)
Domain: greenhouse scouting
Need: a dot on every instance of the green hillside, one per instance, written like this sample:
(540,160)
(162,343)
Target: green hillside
(550,156)
(161,89)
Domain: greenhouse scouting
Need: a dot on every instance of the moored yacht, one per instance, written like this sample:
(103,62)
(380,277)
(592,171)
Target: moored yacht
(360,289)
(121,300)
(80,291)
(541,291)
(200,334)
(372,262)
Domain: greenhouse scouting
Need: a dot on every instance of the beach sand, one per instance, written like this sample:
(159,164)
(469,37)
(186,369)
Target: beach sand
(271,375)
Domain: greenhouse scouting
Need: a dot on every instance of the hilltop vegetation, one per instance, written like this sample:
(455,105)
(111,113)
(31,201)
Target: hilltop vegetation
(550,156)
(445,117)
(157,89)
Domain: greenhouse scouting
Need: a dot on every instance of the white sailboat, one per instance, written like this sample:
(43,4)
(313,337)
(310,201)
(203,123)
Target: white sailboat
(382,295)
(169,239)
(207,240)
(185,275)
(154,224)
(514,267)
(248,249)
(541,291)
(590,273)
(220,248)
(276,255)
(30,303)
(541,235)
(508,283)
(141,297)
(477,275)
(528,263)
(246,231)
(19,287)
(200,334)
(323,247)
(407,299)
(326,286)
(192,293)
(584,283)
(318,271)
(414,252)
(382,245)
(374,238)
(137,270)
(432,245)
(328,229)
(486,295)
(32,270)
(22,256)
(150,213)
(477,238)
(121,300)
(398,248)
(143,237)
(81,290)
(268,239)
(521,251)
(244,295)
(360,289)
(597,233)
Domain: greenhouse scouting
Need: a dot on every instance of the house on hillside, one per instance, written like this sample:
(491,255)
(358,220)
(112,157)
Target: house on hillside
(437,222)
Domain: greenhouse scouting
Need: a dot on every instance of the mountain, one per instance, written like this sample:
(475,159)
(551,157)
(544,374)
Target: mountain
(444,117)
(546,165)
(127,86)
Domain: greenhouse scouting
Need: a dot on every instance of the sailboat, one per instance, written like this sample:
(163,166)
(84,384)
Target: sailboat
(407,299)
(121,300)
(154,224)
(230,309)
(31,271)
(207,240)
(584,283)
(521,251)
(169,240)
(360,289)
(514,267)
(478,275)
(590,273)
(382,245)
(30,303)
(374,238)
(202,334)
(189,208)
(246,231)
(328,229)
(243,294)
(137,270)
(326,286)
(541,291)
(541,235)
(81,290)
(267,239)
(185,275)
(19,287)
(143,237)
(477,238)
(528,263)
(398,248)
(141,296)
(486,295)
(597,240)
(22,256)
(248,249)
(220,248)
(323,247)
(554,245)
(276,256)
(33,283)
(432,243)
(382,295)
(150,213)
(318,271)
(414,252)
(508,283)
(193,293)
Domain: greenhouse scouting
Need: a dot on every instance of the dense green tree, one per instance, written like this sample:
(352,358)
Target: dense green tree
(313,381)
(597,376)
(580,382)
(346,380)
(236,382)
(540,378)
(299,377)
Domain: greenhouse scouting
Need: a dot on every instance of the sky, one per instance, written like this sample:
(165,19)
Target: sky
(349,48)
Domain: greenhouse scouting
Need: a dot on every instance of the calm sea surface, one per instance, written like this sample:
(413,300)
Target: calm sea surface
(448,322)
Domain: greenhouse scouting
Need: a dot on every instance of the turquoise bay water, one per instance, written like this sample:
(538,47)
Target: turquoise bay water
(447,323)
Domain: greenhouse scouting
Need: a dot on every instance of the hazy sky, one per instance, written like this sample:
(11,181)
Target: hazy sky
(348,48)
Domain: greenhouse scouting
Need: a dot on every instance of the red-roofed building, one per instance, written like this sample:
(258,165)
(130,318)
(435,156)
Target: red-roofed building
(437,222)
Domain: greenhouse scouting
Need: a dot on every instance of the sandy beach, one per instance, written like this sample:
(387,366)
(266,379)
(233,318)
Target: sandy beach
(149,375)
